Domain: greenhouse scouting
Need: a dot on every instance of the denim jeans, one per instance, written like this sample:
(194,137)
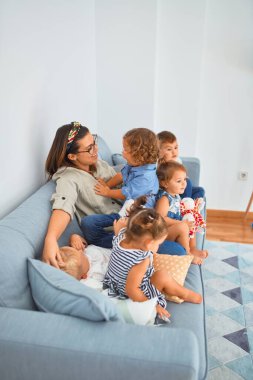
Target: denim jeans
(193,192)
(93,228)
(171,248)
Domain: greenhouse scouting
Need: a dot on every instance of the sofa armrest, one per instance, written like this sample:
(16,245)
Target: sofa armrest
(51,346)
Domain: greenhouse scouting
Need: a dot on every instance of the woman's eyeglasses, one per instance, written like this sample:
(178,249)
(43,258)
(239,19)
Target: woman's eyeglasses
(91,147)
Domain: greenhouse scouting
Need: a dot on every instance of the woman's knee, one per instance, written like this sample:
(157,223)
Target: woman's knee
(88,222)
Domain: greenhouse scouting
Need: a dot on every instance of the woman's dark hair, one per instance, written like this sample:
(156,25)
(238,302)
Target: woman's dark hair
(143,221)
(58,153)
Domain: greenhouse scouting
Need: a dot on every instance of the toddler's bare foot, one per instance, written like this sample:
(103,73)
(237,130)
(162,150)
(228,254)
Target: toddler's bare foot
(191,296)
(197,260)
(203,253)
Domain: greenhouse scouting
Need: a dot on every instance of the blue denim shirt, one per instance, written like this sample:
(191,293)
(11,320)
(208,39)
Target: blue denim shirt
(140,180)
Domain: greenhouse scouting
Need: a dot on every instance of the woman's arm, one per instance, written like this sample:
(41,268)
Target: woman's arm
(162,207)
(57,225)
(134,280)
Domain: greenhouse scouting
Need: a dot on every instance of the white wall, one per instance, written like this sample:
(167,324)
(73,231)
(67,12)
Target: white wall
(47,76)
(180,26)
(224,136)
(125,52)
(182,65)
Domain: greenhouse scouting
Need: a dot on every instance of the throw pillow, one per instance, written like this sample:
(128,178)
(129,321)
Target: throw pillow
(55,291)
(177,266)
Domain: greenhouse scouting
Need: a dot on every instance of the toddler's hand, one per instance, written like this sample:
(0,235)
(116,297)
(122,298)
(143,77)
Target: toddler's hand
(101,189)
(77,242)
(119,224)
(162,312)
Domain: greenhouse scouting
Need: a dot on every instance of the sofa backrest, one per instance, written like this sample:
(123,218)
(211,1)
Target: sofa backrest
(192,165)
(22,234)
(104,151)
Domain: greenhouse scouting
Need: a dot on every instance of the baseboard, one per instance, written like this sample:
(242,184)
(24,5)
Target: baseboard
(228,214)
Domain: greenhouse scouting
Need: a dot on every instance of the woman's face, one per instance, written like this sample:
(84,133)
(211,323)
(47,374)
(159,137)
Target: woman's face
(87,153)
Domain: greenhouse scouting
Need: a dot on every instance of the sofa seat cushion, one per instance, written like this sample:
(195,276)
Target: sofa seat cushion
(55,291)
(192,316)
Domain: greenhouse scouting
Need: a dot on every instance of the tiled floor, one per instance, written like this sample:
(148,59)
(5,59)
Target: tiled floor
(228,277)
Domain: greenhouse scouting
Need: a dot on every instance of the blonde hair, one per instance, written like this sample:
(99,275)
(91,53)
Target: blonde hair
(166,170)
(143,145)
(72,264)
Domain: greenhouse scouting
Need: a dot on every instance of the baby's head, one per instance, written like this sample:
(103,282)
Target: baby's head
(146,225)
(168,146)
(76,263)
(172,177)
(140,147)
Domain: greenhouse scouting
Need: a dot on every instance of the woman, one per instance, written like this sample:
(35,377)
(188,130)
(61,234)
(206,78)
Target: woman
(73,163)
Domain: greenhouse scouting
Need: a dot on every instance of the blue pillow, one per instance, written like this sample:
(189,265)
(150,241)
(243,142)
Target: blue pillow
(54,291)
(118,159)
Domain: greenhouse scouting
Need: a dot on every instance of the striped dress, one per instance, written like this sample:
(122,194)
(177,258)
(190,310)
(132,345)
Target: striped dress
(121,262)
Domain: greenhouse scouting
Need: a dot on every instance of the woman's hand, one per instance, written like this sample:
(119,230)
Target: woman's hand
(78,242)
(162,312)
(51,254)
(102,181)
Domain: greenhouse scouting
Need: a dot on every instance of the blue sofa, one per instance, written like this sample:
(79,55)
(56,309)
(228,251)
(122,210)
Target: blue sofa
(39,345)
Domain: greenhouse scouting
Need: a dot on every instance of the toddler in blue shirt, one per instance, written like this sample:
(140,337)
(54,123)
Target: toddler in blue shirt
(138,177)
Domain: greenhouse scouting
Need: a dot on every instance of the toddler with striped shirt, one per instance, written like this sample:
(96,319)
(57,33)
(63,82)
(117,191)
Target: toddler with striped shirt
(130,271)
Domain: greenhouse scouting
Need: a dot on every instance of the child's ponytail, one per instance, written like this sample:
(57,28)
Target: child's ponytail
(143,221)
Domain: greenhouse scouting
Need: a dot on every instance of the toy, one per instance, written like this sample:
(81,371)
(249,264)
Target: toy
(190,210)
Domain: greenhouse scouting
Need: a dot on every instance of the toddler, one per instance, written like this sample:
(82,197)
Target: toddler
(172,180)
(130,271)
(168,150)
(84,264)
(138,177)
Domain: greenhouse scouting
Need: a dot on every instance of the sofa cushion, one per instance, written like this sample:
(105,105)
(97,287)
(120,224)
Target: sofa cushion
(55,291)
(176,266)
(118,159)
(22,235)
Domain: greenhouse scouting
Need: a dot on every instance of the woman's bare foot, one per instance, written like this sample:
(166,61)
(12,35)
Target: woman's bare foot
(203,253)
(191,296)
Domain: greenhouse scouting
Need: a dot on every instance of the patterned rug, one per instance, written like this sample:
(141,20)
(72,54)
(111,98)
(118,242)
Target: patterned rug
(228,278)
